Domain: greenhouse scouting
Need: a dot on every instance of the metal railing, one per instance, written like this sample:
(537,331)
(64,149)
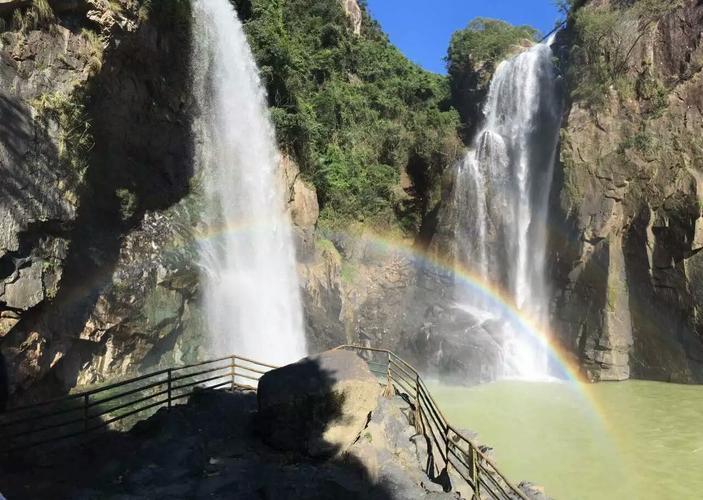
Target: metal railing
(83,413)
(120,403)
(449,450)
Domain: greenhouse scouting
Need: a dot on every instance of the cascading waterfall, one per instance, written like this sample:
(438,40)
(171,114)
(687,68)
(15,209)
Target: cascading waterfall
(250,285)
(503,186)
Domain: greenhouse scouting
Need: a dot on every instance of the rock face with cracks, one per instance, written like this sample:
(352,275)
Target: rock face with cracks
(627,216)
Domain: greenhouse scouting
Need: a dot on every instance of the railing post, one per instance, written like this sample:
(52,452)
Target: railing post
(474,472)
(86,403)
(418,412)
(234,367)
(169,387)
(389,380)
(446,447)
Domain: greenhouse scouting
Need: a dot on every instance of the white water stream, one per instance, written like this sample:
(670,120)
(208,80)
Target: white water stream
(502,191)
(250,284)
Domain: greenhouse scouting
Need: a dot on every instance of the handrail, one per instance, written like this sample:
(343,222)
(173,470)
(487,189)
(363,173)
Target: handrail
(482,471)
(81,413)
(97,408)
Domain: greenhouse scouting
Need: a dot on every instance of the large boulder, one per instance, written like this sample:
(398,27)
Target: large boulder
(318,406)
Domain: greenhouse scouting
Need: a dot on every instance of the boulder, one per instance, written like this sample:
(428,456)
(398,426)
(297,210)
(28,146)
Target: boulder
(318,406)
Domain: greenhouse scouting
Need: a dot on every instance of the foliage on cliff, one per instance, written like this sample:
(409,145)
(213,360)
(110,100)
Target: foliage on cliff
(484,41)
(611,71)
(604,39)
(473,54)
(353,111)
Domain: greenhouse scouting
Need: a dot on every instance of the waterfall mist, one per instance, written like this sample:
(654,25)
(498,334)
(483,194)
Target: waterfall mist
(250,286)
(502,191)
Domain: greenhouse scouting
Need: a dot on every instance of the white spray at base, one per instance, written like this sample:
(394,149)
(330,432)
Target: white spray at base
(502,195)
(250,285)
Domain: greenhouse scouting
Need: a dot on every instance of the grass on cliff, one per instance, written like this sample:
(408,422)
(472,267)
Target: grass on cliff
(37,15)
(353,112)
(75,139)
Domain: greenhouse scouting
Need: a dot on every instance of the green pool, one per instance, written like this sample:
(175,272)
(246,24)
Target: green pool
(629,440)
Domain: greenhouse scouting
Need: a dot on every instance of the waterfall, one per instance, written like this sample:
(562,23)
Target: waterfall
(502,190)
(250,286)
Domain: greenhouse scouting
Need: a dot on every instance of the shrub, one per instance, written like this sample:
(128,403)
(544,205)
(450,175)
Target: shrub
(484,41)
(473,54)
(350,108)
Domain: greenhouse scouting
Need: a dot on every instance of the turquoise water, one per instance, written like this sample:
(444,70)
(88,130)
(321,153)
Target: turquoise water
(628,440)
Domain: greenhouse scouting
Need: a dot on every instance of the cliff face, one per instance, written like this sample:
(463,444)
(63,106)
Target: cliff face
(99,204)
(96,275)
(627,226)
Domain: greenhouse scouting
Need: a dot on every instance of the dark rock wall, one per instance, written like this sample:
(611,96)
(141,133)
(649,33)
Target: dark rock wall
(96,247)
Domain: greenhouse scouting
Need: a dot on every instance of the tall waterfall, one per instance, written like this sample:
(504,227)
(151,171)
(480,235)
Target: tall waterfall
(502,190)
(249,278)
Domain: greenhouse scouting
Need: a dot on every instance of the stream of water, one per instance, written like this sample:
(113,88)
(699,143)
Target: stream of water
(626,440)
(502,190)
(250,283)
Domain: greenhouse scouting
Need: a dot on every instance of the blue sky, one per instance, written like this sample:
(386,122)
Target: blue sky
(422,28)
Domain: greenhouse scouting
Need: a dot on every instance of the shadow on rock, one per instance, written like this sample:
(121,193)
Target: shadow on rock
(320,429)
(141,160)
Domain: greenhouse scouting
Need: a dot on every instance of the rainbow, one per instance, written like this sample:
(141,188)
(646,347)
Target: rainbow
(565,362)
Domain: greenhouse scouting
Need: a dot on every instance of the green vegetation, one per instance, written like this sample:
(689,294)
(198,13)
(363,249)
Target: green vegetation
(572,186)
(640,141)
(95,50)
(484,41)
(128,203)
(75,138)
(612,297)
(650,89)
(348,273)
(327,248)
(352,111)
(116,6)
(38,15)
(473,54)
(604,39)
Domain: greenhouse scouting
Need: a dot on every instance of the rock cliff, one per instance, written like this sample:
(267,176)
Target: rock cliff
(627,226)
(96,275)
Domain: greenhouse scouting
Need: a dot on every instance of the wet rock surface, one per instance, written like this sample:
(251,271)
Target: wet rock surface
(359,291)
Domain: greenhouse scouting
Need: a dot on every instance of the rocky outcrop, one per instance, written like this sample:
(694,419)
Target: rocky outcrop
(382,292)
(318,406)
(628,218)
(303,208)
(353,12)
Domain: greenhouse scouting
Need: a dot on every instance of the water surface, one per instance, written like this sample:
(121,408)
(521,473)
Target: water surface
(628,440)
